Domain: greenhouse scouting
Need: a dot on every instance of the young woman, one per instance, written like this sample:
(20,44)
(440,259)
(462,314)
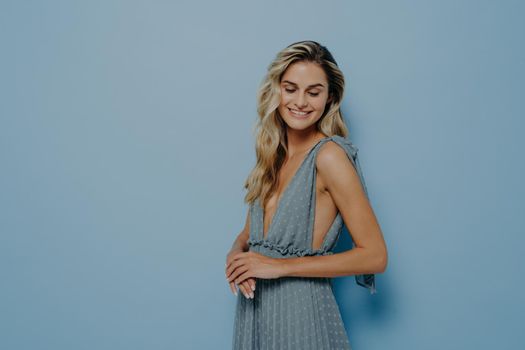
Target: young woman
(306,185)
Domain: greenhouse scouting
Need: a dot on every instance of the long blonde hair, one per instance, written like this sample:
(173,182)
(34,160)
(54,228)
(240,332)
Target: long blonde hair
(270,129)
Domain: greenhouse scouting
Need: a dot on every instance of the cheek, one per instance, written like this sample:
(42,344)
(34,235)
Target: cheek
(282,109)
(320,104)
(285,99)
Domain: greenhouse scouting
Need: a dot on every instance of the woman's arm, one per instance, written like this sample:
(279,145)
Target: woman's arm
(340,179)
(356,261)
(247,287)
(242,237)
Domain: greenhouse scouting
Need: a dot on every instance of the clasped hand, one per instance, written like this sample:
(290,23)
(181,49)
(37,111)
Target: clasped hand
(243,267)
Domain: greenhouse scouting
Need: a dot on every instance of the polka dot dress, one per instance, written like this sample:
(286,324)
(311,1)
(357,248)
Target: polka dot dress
(295,312)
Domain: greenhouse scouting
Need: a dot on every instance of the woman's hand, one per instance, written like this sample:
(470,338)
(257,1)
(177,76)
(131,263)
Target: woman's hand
(244,265)
(247,286)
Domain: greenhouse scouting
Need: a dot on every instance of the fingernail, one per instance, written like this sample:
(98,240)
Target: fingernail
(251,295)
(253,287)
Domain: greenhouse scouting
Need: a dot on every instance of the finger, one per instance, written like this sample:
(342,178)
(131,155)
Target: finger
(229,260)
(236,273)
(230,268)
(244,290)
(248,289)
(233,288)
(242,276)
(252,283)
(234,266)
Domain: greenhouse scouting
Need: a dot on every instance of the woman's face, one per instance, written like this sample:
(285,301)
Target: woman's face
(304,95)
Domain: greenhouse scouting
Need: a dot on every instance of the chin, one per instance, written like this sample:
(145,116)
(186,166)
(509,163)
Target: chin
(298,125)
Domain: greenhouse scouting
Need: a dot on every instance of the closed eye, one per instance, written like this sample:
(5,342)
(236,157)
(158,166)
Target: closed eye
(311,93)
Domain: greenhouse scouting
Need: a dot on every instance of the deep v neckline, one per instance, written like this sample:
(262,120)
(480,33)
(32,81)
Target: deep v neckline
(284,193)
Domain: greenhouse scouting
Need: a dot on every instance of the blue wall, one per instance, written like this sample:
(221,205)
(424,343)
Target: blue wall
(125,138)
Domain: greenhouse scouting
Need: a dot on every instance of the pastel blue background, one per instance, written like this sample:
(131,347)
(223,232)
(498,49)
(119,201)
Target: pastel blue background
(125,138)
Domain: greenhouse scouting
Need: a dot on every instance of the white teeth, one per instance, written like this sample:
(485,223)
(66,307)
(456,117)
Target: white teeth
(298,112)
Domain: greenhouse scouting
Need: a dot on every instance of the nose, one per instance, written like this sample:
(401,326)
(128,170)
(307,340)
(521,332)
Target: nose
(301,101)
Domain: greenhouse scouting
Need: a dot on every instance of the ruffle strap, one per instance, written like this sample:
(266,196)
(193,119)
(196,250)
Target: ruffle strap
(368,281)
(288,250)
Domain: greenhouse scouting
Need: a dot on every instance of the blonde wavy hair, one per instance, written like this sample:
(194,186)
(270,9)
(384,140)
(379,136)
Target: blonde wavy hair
(270,129)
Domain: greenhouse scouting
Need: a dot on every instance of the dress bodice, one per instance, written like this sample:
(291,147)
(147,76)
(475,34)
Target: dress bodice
(290,233)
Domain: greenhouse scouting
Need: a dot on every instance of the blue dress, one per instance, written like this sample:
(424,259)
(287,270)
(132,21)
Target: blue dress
(295,312)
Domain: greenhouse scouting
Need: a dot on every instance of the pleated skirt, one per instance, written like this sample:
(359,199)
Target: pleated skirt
(289,313)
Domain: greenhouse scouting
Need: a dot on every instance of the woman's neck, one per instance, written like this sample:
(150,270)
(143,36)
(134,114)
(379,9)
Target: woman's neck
(300,141)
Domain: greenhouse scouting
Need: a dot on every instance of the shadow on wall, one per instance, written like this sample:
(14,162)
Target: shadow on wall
(355,302)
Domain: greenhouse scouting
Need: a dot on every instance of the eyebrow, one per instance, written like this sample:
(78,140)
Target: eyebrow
(309,86)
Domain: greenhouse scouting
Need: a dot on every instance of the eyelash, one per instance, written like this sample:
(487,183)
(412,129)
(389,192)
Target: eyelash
(311,93)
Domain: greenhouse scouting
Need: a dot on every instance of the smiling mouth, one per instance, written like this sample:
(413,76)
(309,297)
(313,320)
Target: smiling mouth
(299,113)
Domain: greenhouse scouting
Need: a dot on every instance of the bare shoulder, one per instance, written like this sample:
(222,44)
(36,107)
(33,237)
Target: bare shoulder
(331,156)
(334,167)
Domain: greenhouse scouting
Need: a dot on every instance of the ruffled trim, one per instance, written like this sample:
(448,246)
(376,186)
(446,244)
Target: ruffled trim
(349,143)
(287,250)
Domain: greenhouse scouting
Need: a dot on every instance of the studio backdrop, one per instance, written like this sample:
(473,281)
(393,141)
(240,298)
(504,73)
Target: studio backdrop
(126,138)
